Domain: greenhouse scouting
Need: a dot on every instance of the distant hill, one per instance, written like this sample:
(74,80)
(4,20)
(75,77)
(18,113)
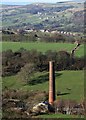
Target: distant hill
(68,16)
(79,1)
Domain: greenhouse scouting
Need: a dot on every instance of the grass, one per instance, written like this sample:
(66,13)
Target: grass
(42,47)
(57,116)
(74,80)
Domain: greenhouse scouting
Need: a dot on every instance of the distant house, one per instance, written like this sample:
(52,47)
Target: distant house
(65,32)
(71,33)
(53,31)
(42,30)
(46,31)
(62,32)
(39,13)
(29,30)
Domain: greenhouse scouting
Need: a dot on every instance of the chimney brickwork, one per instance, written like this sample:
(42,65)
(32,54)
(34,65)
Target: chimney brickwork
(51,82)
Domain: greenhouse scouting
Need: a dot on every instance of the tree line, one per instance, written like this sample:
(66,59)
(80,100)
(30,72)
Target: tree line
(14,62)
(38,36)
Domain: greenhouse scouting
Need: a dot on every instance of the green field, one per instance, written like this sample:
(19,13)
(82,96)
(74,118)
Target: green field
(43,47)
(74,80)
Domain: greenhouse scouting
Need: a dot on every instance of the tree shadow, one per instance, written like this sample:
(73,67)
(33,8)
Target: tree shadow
(61,94)
(58,74)
(42,78)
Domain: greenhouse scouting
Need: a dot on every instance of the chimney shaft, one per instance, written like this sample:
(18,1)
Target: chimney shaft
(51,82)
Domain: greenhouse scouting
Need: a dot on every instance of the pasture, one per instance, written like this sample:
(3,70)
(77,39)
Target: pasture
(69,83)
(43,47)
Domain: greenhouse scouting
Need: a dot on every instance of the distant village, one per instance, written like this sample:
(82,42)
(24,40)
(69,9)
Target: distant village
(26,31)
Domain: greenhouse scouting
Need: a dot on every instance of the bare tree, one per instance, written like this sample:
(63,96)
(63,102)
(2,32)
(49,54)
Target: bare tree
(26,72)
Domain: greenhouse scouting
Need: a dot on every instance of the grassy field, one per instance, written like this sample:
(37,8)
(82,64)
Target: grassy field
(43,47)
(74,80)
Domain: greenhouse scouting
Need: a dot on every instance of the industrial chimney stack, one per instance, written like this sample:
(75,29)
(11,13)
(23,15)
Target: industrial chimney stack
(51,82)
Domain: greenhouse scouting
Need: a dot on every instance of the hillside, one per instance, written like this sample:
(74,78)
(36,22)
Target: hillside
(64,79)
(66,16)
(68,84)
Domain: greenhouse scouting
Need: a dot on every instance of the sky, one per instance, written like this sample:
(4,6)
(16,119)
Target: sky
(32,1)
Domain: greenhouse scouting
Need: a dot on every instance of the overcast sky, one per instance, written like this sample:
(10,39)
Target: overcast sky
(31,1)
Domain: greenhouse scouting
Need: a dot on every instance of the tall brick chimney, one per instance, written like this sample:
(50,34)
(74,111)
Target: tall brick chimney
(51,82)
